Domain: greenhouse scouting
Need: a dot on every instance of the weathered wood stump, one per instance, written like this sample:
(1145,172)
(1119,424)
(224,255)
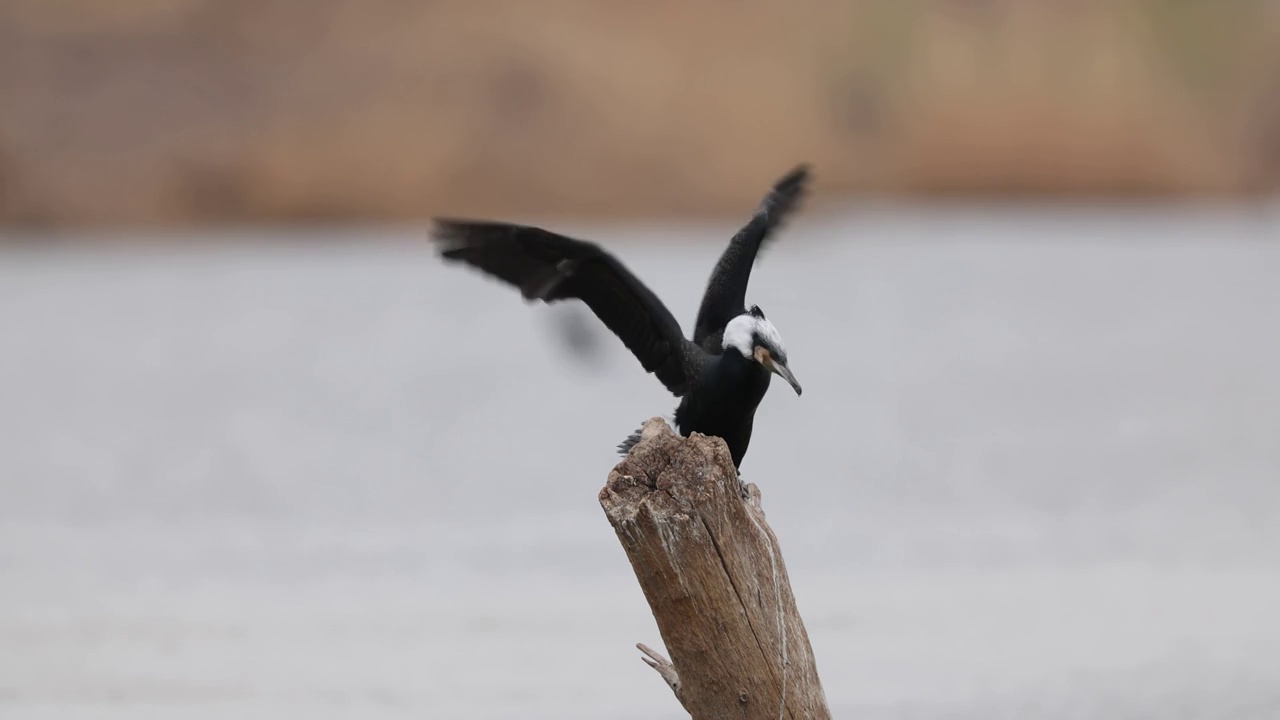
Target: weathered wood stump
(712,572)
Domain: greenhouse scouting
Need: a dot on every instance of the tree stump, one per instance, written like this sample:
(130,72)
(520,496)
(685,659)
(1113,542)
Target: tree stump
(712,572)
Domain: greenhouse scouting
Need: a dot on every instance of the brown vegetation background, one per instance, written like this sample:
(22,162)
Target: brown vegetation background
(181,112)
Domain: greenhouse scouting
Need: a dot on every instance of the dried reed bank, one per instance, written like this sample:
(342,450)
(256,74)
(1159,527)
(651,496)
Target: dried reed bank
(196,111)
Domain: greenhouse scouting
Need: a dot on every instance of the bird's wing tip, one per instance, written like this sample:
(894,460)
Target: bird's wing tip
(802,169)
(442,229)
(447,226)
(798,176)
(452,236)
(787,191)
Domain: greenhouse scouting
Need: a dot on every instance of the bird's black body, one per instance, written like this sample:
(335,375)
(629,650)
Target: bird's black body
(721,375)
(725,405)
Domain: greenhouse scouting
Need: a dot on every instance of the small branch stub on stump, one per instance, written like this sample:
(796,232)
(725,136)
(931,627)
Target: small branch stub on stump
(711,569)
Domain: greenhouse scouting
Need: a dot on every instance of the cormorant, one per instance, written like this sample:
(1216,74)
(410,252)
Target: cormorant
(721,375)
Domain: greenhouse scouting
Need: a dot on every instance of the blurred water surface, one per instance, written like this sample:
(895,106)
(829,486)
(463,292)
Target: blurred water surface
(1033,474)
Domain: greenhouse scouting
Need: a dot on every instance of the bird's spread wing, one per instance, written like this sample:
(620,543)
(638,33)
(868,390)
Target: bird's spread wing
(549,267)
(726,292)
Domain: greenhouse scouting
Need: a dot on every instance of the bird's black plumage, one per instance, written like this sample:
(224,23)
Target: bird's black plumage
(720,383)
(551,267)
(725,297)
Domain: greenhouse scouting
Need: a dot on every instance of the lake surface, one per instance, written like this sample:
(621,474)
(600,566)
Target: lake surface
(1035,472)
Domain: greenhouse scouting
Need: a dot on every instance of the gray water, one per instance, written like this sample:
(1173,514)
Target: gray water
(1034,474)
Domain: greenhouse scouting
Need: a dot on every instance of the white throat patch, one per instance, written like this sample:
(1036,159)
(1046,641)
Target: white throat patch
(741,331)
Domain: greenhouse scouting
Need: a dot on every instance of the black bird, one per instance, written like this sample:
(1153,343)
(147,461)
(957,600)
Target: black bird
(721,375)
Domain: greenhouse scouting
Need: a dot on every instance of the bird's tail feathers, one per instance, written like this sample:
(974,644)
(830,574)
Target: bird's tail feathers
(624,447)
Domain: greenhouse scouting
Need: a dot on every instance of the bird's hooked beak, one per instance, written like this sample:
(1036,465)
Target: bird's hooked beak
(765,358)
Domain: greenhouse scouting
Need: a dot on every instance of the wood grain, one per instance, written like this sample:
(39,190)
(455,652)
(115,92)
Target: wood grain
(712,571)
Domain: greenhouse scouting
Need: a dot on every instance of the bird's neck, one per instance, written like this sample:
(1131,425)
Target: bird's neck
(741,372)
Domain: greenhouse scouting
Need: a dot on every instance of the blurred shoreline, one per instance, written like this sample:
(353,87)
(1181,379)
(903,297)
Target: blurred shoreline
(196,112)
(933,221)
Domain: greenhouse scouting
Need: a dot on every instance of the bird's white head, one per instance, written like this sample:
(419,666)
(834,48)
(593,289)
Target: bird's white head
(755,338)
